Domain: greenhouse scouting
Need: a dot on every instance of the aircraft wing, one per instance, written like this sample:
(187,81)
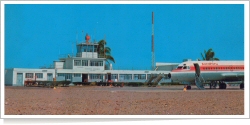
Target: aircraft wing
(235,76)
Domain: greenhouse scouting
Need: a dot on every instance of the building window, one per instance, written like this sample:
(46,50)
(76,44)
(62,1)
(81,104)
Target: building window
(61,74)
(39,75)
(148,76)
(82,48)
(84,62)
(96,63)
(125,76)
(77,75)
(139,76)
(95,48)
(68,76)
(114,76)
(65,75)
(95,76)
(29,75)
(77,62)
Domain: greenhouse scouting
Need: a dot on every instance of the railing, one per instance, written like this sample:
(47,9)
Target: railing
(131,68)
(47,67)
(77,55)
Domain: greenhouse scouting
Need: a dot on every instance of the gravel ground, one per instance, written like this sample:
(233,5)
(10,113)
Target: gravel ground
(97,100)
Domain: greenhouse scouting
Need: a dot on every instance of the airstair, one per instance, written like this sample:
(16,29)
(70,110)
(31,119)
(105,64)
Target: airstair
(149,81)
(199,81)
(158,79)
(198,78)
(154,79)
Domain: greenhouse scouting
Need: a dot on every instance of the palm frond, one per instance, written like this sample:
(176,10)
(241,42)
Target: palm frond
(105,51)
(203,57)
(109,57)
(209,55)
(217,59)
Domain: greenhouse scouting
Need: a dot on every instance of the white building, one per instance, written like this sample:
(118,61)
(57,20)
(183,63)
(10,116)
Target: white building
(86,66)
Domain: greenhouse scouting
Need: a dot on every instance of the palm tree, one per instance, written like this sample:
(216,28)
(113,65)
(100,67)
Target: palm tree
(104,51)
(209,55)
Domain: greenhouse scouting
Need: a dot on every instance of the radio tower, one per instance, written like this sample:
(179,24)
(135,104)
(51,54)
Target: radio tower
(153,51)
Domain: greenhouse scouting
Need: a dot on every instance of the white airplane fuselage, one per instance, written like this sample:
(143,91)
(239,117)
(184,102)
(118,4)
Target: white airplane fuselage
(209,71)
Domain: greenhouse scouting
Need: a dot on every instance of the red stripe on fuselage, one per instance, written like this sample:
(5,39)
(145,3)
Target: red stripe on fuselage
(213,68)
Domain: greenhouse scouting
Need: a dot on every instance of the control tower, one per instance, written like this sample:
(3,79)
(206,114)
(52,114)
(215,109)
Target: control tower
(86,58)
(87,49)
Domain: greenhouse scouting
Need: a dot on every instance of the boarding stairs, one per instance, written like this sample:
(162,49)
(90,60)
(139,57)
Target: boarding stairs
(149,81)
(158,79)
(199,81)
(154,79)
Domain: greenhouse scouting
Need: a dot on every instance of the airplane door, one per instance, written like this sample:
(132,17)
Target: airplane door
(197,69)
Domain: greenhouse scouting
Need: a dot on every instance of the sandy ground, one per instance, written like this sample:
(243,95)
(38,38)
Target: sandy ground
(97,100)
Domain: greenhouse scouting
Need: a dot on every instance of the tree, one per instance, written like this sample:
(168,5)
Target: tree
(104,51)
(209,55)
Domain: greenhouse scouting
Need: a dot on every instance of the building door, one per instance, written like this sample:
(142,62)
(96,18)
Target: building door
(50,77)
(109,77)
(84,77)
(19,80)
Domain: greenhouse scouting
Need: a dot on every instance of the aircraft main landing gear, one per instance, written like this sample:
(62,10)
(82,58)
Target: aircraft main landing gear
(213,85)
(222,85)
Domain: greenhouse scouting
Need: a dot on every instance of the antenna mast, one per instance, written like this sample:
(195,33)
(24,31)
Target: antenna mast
(72,49)
(104,46)
(76,37)
(153,51)
(82,36)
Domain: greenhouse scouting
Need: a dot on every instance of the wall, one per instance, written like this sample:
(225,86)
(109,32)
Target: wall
(68,64)
(58,65)
(24,71)
(89,55)
(8,77)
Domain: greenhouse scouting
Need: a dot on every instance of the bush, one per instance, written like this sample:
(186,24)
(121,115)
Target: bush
(93,83)
(134,84)
(81,83)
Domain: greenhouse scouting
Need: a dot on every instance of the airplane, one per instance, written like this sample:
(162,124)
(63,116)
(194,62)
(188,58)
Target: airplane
(208,72)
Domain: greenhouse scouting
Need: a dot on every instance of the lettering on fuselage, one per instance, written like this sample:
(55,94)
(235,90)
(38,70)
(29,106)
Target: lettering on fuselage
(209,63)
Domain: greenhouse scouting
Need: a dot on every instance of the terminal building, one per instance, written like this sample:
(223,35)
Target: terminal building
(86,66)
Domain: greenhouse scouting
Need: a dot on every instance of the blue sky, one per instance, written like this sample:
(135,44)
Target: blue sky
(35,35)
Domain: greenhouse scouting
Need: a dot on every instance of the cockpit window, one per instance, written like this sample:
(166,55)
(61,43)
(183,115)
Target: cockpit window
(179,67)
(186,67)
